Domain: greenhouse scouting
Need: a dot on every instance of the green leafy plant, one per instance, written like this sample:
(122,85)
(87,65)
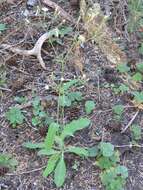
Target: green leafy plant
(2,27)
(15,116)
(107,149)
(55,148)
(114,178)
(6,160)
(123,68)
(123,88)
(40,117)
(113,175)
(118,111)
(89,106)
(135,132)
(59,33)
(137,77)
(138,97)
(64,30)
(20,99)
(140,67)
(67,97)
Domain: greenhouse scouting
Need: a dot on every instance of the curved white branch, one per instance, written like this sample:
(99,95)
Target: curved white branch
(36,50)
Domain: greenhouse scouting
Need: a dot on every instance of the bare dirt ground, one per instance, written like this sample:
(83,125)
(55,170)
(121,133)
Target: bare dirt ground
(24,76)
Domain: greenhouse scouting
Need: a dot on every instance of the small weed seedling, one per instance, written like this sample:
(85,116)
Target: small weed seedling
(7,161)
(67,97)
(55,148)
(15,116)
(138,97)
(2,27)
(38,113)
(113,175)
(21,99)
(123,68)
(123,88)
(118,111)
(140,67)
(40,117)
(89,106)
(135,132)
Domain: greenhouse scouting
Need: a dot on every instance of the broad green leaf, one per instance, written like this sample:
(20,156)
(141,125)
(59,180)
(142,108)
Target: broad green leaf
(122,170)
(115,158)
(75,96)
(77,150)
(118,109)
(36,121)
(64,31)
(123,88)
(21,99)
(36,101)
(104,163)
(31,145)
(7,160)
(59,141)
(42,114)
(69,84)
(49,140)
(93,151)
(4,158)
(51,164)
(140,67)
(108,175)
(2,27)
(123,68)
(137,77)
(47,152)
(64,101)
(15,116)
(74,126)
(13,162)
(138,97)
(89,106)
(107,149)
(136,132)
(60,172)
(117,184)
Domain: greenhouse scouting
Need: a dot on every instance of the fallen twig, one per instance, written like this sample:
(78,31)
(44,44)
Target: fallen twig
(57,8)
(26,172)
(130,122)
(129,145)
(5,89)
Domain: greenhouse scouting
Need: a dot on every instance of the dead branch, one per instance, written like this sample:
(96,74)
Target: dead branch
(36,50)
(130,122)
(57,8)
